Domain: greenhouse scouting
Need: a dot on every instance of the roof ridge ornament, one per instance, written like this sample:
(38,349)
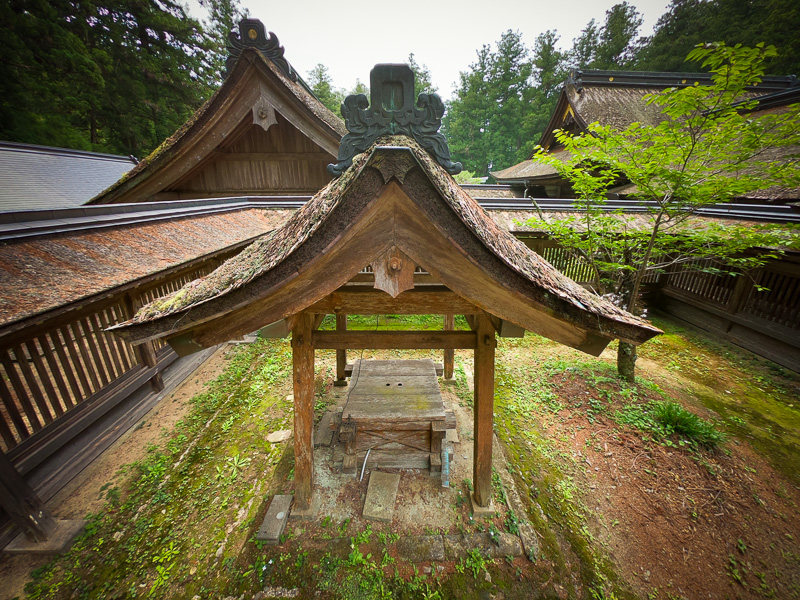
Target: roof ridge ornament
(391,110)
(252,34)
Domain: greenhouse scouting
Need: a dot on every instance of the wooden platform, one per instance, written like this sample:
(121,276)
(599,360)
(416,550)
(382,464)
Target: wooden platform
(395,410)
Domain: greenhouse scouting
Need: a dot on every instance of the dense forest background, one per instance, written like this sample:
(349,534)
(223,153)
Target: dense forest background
(120,76)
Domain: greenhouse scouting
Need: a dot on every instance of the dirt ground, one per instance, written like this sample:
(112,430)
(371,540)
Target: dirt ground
(722,526)
(84,493)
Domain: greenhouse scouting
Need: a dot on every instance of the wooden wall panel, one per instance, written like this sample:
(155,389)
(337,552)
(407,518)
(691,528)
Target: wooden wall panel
(280,160)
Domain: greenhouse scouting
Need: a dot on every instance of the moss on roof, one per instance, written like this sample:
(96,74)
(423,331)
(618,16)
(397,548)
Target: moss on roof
(265,253)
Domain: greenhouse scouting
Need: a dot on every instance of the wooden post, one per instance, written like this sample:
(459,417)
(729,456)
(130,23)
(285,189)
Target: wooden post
(303,377)
(22,505)
(146,352)
(484,409)
(449,355)
(341,355)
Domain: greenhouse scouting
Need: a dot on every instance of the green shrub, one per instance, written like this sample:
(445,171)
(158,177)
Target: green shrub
(676,419)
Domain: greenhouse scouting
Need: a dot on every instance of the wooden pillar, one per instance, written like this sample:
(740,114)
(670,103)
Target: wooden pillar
(22,505)
(146,352)
(449,355)
(341,355)
(303,378)
(484,409)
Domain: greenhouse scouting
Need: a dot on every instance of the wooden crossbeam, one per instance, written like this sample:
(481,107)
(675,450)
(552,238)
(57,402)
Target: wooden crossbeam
(435,300)
(397,437)
(388,340)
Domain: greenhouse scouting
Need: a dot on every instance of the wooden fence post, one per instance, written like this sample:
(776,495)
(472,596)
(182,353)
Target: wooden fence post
(341,355)
(484,409)
(449,355)
(303,379)
(22,505)
(146,352)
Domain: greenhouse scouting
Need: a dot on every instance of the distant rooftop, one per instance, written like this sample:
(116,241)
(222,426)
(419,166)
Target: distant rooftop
(40,177)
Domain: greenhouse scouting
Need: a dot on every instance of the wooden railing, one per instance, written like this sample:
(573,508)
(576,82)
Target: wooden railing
(48,370)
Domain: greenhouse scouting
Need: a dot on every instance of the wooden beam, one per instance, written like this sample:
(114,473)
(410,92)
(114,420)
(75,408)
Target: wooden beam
(341,354)
(394,272)
(449,353)
(484,410)
(394,340)
(419,279)
(22,505)
(365,301)
(318,319)
(146,352)
(303,379)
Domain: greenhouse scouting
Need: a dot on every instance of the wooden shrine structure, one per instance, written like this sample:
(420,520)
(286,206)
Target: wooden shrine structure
(394,208)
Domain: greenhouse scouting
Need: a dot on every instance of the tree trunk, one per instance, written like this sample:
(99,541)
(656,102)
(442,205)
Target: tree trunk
(626,361)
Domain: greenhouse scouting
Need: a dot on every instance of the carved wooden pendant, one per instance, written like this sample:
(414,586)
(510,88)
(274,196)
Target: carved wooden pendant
(394,272)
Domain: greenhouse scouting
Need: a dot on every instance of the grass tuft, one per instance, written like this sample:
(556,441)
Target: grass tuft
(676,419)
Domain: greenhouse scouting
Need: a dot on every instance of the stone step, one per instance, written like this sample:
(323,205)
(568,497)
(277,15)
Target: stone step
(274,522)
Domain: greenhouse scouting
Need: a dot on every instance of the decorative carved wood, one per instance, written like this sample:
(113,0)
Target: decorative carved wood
(264,114)
(394,272)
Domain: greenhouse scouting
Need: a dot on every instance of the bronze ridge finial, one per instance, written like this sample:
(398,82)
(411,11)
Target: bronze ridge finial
(252,34)
(391,111)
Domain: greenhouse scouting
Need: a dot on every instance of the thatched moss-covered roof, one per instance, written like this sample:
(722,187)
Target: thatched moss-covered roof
(555,291)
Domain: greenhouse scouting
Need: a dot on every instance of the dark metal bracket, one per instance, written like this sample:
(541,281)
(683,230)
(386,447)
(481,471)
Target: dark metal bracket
(391,110)
(252,34)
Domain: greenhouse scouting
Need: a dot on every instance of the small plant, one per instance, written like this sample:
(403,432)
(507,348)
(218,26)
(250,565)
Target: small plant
(676,419)
(474,562)
(494,534)
(512,523)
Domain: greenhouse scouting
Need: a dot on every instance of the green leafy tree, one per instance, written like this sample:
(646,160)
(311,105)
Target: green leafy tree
(422,78)
(116,76)
(549,71)
(359,88)
(223,17)
(617,40)
(708,148)
(468,116)
(690,22)
(321,85)
(584,47)
(486,122)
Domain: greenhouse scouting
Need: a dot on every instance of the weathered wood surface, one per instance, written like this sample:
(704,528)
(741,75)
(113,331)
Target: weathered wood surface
(359,300)
(384,391)
(449,354)
(394,340)
(22,505)
(394,272)
(252,89)
(303,379)
(483,410)
(341,354)
(397,409)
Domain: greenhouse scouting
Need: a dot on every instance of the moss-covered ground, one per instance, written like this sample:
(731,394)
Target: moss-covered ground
(625,502)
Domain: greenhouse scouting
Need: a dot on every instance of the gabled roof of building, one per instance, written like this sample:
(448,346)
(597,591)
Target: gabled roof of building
(252,93)
(394,196)
(40,177)
(617,99)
